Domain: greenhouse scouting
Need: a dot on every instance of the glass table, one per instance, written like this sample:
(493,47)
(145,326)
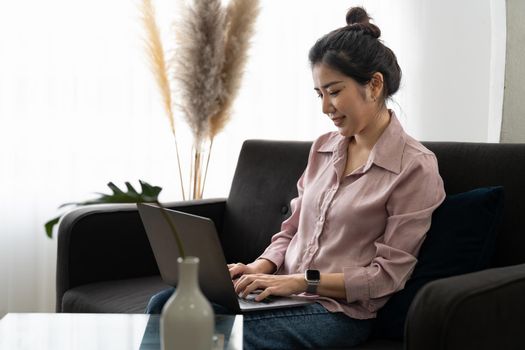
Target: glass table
(100,331)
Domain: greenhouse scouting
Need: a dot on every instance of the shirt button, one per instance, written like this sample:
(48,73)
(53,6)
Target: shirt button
(284,210)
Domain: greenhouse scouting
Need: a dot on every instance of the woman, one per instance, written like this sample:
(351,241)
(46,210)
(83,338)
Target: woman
(364,205)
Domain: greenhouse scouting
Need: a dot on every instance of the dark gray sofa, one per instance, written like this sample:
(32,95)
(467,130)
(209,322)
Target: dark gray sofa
(105,264)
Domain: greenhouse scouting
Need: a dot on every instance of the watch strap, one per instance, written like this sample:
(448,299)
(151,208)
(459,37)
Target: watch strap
(311,288)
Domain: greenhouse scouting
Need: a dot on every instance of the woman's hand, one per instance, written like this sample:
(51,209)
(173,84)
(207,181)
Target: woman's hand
(258,266)
(282,285)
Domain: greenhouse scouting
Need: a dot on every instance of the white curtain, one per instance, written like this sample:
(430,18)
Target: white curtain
(79,107)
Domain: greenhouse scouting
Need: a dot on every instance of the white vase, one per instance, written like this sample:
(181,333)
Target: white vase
(187,320)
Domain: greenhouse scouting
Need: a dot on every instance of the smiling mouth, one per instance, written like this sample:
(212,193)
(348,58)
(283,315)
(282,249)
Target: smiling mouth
(338,121)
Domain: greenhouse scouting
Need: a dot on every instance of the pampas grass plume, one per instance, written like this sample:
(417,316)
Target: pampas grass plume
(207,64)
(198,62)
(240,19)
(155,54)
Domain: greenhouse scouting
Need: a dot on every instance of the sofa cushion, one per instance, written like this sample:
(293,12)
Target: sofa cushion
(119,296)
(461,239)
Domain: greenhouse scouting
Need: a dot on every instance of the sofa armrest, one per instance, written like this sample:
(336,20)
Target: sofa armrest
(108,242)
(481,310)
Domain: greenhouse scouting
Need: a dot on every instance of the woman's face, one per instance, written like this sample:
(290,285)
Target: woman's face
(348,104)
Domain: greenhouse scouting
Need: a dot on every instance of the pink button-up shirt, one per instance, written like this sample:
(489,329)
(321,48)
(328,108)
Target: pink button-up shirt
(368,225)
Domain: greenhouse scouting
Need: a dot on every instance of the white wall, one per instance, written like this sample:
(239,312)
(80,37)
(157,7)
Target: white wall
(445,50)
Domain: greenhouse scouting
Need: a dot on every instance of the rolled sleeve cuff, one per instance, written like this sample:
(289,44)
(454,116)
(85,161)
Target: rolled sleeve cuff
(274,257)
(356,284)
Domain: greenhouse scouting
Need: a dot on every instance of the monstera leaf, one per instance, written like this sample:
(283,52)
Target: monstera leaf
(149,194)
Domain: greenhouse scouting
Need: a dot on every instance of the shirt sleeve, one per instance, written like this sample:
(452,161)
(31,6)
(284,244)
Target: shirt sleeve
(417,192)
(276,251)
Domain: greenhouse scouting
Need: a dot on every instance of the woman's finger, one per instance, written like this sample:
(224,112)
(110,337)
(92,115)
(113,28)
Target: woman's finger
(264,294)
(236,264)
(243,282)
(254,285)
(236,270)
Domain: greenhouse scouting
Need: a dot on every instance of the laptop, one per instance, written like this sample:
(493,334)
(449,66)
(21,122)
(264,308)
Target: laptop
(200,239)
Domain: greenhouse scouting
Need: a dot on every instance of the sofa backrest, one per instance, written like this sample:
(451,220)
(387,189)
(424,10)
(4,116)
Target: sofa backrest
(263,185)
(465,166)
(267,172)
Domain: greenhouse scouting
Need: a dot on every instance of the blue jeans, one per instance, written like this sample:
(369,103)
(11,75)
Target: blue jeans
(310,326)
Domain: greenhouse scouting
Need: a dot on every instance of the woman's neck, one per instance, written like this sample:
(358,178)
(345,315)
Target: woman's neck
(369,136)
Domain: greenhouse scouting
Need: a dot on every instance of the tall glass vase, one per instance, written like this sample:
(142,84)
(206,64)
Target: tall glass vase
(200,155)
(187,320)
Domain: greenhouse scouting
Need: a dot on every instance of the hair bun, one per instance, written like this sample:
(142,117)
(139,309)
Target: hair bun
(357,15)
(358,19)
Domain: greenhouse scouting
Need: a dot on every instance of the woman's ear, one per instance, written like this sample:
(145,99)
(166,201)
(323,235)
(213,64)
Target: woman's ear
(376,86)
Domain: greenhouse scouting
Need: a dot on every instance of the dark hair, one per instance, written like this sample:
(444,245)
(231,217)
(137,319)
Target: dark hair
(356,51)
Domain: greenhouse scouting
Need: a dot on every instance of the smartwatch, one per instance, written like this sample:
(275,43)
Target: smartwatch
(312,278)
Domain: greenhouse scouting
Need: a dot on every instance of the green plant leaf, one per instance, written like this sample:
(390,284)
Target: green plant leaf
(148,191)
(131,190)
(116,191)
(66,205)
(49,226)
(149,194)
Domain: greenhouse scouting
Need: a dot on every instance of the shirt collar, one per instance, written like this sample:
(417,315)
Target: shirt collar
(332,144)
(388,150)
(387,153)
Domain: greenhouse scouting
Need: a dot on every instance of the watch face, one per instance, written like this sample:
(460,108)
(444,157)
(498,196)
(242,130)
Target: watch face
(313,275)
